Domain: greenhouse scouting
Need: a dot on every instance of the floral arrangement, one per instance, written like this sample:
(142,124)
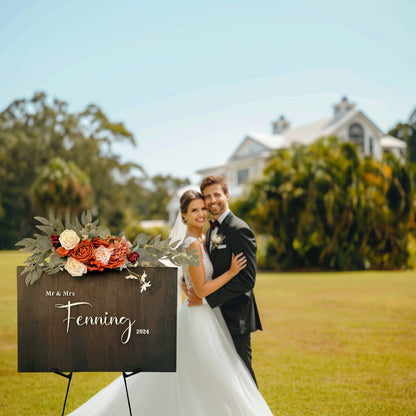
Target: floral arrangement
(84,247)
(216,240)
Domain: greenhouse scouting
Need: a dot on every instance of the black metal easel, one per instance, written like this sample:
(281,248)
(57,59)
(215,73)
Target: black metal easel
(125,377)
(69,377)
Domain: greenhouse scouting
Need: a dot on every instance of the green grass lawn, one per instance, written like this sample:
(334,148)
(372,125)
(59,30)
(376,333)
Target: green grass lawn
(333,344)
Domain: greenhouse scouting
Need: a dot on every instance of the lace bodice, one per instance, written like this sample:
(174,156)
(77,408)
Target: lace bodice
(205,259)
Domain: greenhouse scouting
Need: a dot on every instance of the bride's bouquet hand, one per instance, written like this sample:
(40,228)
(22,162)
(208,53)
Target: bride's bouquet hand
(238,263)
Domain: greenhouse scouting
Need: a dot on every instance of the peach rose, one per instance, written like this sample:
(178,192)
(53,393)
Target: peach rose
(102,254)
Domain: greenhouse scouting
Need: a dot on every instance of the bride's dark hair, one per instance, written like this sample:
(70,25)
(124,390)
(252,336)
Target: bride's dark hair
(187,197)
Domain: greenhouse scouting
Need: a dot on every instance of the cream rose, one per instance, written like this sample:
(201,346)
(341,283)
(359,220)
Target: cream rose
(216,239)
(69,239)
(75,267)
(103,254)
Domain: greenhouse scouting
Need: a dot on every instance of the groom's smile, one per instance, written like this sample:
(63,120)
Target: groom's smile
(216,200)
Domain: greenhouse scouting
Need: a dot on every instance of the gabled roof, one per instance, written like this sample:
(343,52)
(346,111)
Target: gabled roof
(392,142)
(305,134)
(271,141)
(310,132)
(260,142)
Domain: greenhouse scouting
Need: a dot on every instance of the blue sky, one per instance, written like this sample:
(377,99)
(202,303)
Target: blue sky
(190,79)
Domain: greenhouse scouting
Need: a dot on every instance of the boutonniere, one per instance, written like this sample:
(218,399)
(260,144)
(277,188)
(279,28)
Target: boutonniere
(217,240)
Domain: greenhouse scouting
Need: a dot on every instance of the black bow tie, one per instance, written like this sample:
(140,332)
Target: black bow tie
(214,224)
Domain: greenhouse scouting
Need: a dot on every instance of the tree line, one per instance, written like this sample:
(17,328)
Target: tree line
(322,206)
(54,160)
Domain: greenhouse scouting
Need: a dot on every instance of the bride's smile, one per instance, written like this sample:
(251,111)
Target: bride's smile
(196,215)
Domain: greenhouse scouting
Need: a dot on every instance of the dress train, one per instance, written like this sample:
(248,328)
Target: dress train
(211,379)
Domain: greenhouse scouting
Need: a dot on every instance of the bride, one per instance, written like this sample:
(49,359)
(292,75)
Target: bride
(211,378)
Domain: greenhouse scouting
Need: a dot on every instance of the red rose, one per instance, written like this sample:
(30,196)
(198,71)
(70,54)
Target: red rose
(133,257)
(54,240)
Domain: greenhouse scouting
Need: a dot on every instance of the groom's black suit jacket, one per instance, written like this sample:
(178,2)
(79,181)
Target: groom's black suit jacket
(235,298)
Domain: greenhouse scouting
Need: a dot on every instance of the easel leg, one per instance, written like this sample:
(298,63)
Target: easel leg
(125,376)
(69,377)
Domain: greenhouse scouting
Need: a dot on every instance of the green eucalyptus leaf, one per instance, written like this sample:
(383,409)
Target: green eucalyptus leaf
(141,239)
(55,260)
(78,225)
(43,220)
(156,241)
(28,244)
(176,244)
(164,244)
(47,229)
(33,276)
(28,278)
(25,271)
(86,217)
(58,225)
(44,243)
(103,231)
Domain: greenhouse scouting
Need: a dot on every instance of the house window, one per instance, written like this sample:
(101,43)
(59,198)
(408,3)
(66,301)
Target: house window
(371,146)
(242,176)
(356,134)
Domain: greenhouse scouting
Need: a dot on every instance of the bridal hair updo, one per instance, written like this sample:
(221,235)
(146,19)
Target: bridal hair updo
(186,198)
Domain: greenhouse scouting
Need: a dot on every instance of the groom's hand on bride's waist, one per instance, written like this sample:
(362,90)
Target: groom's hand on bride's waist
(193,298)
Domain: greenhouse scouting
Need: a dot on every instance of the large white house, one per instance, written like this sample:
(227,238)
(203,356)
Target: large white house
(347,122)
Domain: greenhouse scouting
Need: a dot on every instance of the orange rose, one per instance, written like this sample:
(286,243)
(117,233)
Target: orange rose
(98,242)
(113,263)
(62,252)
(83,252)
(94,264)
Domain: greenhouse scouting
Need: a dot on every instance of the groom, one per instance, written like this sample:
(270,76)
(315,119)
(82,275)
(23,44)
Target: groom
(229,234)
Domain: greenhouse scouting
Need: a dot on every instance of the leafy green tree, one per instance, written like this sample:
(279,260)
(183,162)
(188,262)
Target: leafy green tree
(33,132)
(323,206)
(407,132)
(389,209)
(163,187)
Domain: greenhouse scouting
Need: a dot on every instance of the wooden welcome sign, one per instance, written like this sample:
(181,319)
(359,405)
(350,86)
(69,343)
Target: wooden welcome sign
(97,323)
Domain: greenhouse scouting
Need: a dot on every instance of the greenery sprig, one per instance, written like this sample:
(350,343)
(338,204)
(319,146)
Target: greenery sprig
(50,254)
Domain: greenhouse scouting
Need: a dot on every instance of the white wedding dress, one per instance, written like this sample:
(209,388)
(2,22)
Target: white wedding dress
(211,378)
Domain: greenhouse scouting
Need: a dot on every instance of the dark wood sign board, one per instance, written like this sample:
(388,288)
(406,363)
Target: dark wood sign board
(99,322)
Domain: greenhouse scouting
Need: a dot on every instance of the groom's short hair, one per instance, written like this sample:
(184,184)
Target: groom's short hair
(214,180)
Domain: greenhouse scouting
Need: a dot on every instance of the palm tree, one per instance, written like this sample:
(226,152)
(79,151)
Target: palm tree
(61,188)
